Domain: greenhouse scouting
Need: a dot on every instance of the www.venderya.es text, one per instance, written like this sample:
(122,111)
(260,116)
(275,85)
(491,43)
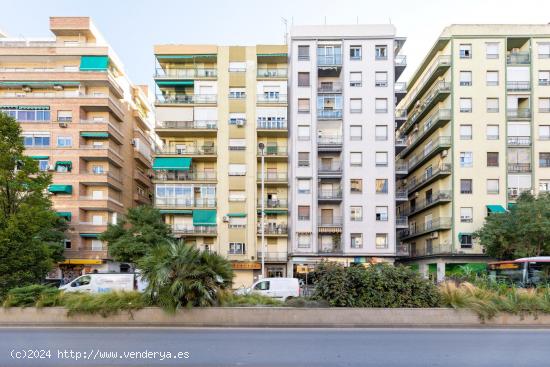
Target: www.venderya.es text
(95,354)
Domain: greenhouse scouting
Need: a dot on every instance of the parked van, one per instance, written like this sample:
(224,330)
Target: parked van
(105,282)
(279,288)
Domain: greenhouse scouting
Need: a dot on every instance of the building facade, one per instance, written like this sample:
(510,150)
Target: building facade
(84,122)
(343,93)
(214,106)
(475,135)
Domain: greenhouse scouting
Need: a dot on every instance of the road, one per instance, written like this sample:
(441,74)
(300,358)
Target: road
(275,347)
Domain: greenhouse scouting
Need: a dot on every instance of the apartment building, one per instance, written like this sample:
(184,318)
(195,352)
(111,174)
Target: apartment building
(475,136)
(84,122)
(343,92)
(215,105)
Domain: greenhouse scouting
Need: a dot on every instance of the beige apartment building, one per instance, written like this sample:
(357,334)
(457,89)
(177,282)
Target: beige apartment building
(214,106)
(87,124)
(474,134)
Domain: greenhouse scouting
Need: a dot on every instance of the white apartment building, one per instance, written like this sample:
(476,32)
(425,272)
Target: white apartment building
(342,97)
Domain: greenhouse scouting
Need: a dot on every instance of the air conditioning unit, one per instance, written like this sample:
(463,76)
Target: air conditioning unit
(63,124)
(57,87)
(435,235)
(444,153)
(240,123)
(225,219)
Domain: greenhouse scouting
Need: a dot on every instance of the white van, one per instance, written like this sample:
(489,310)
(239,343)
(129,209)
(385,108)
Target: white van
(105,282)
(279,288)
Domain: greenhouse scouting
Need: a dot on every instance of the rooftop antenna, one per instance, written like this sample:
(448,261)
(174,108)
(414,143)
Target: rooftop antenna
(285,22)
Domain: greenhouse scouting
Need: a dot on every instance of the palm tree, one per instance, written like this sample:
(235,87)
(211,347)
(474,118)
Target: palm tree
(180,275)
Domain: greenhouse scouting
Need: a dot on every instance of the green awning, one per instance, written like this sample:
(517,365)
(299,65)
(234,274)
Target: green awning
(11,107)
(496,209)
(66,215)
(90,235)
(184,56)
(37,83)
(38,157)
(94,63)
(273,211)
(175,82)
(175,211)
(511,205)
(60,189)
(460,234)
(94,134)
(172,163)
(236,215)
(67,164)
(204,217)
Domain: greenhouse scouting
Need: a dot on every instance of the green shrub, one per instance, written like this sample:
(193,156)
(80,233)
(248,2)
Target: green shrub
(228,299)
(29,295)
(104,304)
(379,285)
(306,302)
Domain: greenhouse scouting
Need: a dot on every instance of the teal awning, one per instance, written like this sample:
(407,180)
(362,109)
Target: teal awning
(175,82)
(496,209)
(11,107)
(67,164)
(175,211)
(38,84)
(236,215)
(184,56)
(94,134)
(37,157)
(66,215)
(511,205)
(460,234)
(60,189)
(172,163)
(94,63)
(273,211)
(204,217)
(90,235)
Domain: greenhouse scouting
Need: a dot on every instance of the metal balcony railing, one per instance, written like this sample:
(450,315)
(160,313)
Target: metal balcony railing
(437,197)
(440,62)
(328,140)
(418,250)
(329,60)
(272,229)
(441,142)
(519,167)
(400,60)
(433,225)
(401,194)
(518,113)
(334,194)
(518,86)
(187,98)
(185,202)
(185,73)
(268,98)
(401,221)
(189,150)
(427,128)
(329,221)
(185,176)
(333,87)
(400,87)
(519,140)
(274,176)
(272,256)
(274,151)
(518,58)
(334,248)
(425,104)
(274,203)
(271,125)
(195,124)
(334,167)
(416,182)
(272,73)
(329,114)
(191,229)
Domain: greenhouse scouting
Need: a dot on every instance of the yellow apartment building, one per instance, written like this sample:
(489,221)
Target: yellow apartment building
(474,132)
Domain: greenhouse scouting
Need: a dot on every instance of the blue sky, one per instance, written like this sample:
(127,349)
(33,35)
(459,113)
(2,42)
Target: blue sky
(132,27)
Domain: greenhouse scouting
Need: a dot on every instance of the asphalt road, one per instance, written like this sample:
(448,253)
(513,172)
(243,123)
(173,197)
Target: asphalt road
(273,347)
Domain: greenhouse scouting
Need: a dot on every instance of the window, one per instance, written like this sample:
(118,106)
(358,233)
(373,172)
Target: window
(544,185)
(466,132)
(236,248)
(381,105)
(356,159)
(38,140)
(356,213)
(303,79)
(303,159)
(465,78)
(466,159)
(381,159)
(492,159)
(304,186)
(491,50)
(544,77)
(43,164)
(466,214)
(544,105)
(381,132)
(355,105)
(492,78)
(238,119)
(237,93)
(303,212)
(303,52)
(27,115)
(356,185)
(466,186)
(381,52)
(465,51)
(98,170)
(237,195)
(236,66)
(492,132)
(544,50)
(381,185)
(381,79)
(355,53)
(304,133)
(303,105)
(544,160)
(97,220)
(544,132)
(382,213)
(465,105)
(465,240)
(67,244)
(64,116)
(356,240)
(355,79)
(238,144)
(356,132)
(492,186)
(304,240)
(381,240)
(492,105)
(97,245)
(237,222)
(237,169)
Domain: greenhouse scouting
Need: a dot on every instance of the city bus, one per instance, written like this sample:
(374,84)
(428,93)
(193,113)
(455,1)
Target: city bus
(525,272)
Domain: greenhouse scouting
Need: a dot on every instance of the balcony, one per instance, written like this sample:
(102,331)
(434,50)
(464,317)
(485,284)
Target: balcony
(86,254)
(400,90)
(176,203)
(401,222)
(333,170)
(438,68)
(329,87)
(401,195)
(334,60)
(401,168)
(437,93)
(190,150)
(271,127)
(437,224)
(400,114)
(400,63)
(520,141)
(101,126)
(92,178)
(519,167)
(438,145)
(271,256)
(329,114)
(518,58)
(142,198)
(418,182)
(186,99)
(518,113)
(515,192)
(206,176)
(331,249)
(329,143)
(110,152)
(270,99)
(432,123)
(329,195)
(273,229)
(273,151)
(142,178)
(195,125)
(273,178)
(272,73)
(406,250)
(100,203)
(188,229)
(440,197)
(274,203)
(518,86)
(186,73)
(330,223)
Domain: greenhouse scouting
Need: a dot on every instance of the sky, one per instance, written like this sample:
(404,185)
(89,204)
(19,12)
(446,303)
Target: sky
(132,27)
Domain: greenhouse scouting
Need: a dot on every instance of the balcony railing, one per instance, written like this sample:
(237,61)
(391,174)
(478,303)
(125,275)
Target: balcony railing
(272,229)
(427,227)
(437,197)
(514,192)
(426,103)
(519,167)
(189,150)
(426,129)
(273,203)
(518,113)
(440,62)
(272,73)
(334,87)
(328,140)
(329,222)
(185,73)
(400,60)
(518,86)
(418,181)
(401,194)
(196,124)
(334,248)
(515,58)
(271,125)
(274,176)
(405,249)
(401,114)
(334,194)
(401,222)
(185,176)
(273,256)
(184,203)
(187,99)
(274,151)
(519,140)
(103,174)
(400,87)
(332,60)
(440,143)
(191,229)
(268,98)
(333,168)
(329,114)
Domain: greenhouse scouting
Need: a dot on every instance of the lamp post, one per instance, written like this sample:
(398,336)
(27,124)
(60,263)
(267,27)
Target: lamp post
(261,146)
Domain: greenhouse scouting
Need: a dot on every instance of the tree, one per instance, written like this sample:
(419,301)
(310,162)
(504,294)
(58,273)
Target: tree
(181,275)
(30,231)
(133,237)
(523,231)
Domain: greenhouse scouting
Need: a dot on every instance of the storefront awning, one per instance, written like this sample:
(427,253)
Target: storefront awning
(60,189)
(496,209)
(94,63)
(89,235)
(81,262)
(66,215)
(172,163)
(94,134)
(204,217)
(176,211)
(67,164)
(236,215)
